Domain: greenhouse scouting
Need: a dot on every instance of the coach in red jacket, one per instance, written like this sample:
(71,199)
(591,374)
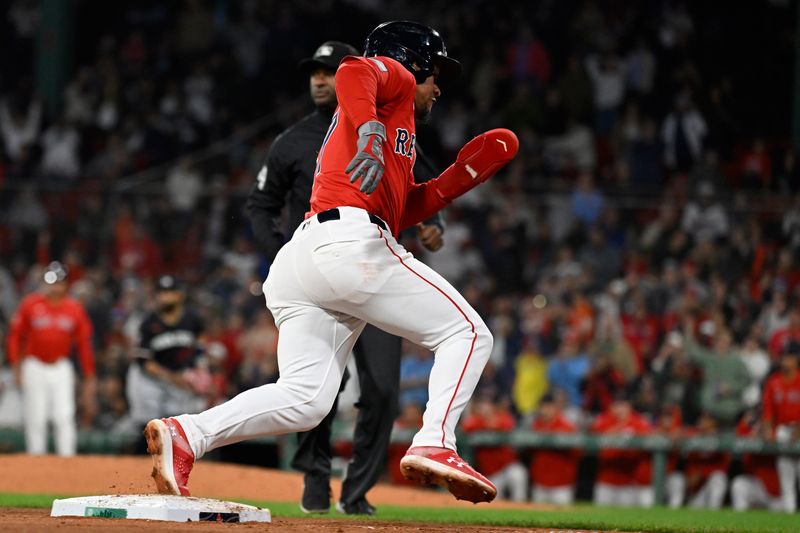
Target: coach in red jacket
(553,472)
(499,463)
(44,330)
(617,480)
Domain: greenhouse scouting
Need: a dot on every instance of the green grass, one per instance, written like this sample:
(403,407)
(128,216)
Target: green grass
(580,517)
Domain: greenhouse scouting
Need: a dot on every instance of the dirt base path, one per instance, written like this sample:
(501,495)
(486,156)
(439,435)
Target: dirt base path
(38,520)
(97,475)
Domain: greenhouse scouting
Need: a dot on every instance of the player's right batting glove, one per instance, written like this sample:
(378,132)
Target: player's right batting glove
(368,163)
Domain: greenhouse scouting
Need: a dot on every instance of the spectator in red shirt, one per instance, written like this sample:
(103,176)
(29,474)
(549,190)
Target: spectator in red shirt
(756,166)
(553,471)
(757,486)
(43,331)
(528,60)
(641,330)
(499,463)
(781,414)
(617,481)
(705,476)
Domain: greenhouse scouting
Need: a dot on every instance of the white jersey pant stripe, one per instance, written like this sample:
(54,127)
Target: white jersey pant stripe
(324,285)
(472,326)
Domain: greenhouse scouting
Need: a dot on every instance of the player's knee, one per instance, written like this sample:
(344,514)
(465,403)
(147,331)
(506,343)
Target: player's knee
(483,340)
(309,410)
(317,409)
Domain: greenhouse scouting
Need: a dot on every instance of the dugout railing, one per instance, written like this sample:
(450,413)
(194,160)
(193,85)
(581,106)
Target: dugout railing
(104,442)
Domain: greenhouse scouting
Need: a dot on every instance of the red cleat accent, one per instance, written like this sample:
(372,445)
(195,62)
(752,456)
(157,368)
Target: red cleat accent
(173,458)
(443,467)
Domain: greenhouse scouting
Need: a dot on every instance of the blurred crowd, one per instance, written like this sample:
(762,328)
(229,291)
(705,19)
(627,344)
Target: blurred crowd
(641,255)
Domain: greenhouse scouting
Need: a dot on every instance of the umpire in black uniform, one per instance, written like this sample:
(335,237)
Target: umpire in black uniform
(286,177)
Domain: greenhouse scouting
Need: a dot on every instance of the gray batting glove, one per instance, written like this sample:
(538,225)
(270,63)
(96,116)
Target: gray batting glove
(368,163)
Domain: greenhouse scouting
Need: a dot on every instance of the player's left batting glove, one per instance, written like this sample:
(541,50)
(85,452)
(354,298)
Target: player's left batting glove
(368,162)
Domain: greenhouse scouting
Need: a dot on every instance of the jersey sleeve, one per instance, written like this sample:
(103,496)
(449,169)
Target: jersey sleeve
(363,83)
(268,197)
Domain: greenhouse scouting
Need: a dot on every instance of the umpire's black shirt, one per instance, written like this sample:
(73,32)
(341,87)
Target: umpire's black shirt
(287,177)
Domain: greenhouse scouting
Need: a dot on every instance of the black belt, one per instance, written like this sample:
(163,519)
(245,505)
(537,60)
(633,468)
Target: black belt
(333,214)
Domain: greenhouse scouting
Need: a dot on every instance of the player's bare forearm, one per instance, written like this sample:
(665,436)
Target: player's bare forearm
(160,372)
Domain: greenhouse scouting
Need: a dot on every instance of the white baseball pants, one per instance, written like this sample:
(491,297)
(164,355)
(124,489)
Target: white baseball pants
(623,495)
(150,398)
(512,481)
(558,495)
(788,471)
(676,489)
(48,393)
(710,495)
(789,474)
(325,284)
(748,492)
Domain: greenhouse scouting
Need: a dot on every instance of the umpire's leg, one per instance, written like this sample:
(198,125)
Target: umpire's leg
(377,356)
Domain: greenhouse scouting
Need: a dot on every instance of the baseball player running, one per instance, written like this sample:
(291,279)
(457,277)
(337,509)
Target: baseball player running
(343,268)
(287,176)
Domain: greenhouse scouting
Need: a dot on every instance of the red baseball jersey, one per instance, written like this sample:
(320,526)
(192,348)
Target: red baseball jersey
(47,330)
(781,400)
(368,89)
(554,468)
(621,467)
(492,459)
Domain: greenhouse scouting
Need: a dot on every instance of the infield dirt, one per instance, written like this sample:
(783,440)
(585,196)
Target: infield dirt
(93,475)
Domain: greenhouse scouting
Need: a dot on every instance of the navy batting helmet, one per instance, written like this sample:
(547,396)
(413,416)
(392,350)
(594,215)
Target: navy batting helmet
(417,47)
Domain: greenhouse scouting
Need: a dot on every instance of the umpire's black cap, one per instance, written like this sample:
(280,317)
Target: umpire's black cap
(169,283)
(328,55)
